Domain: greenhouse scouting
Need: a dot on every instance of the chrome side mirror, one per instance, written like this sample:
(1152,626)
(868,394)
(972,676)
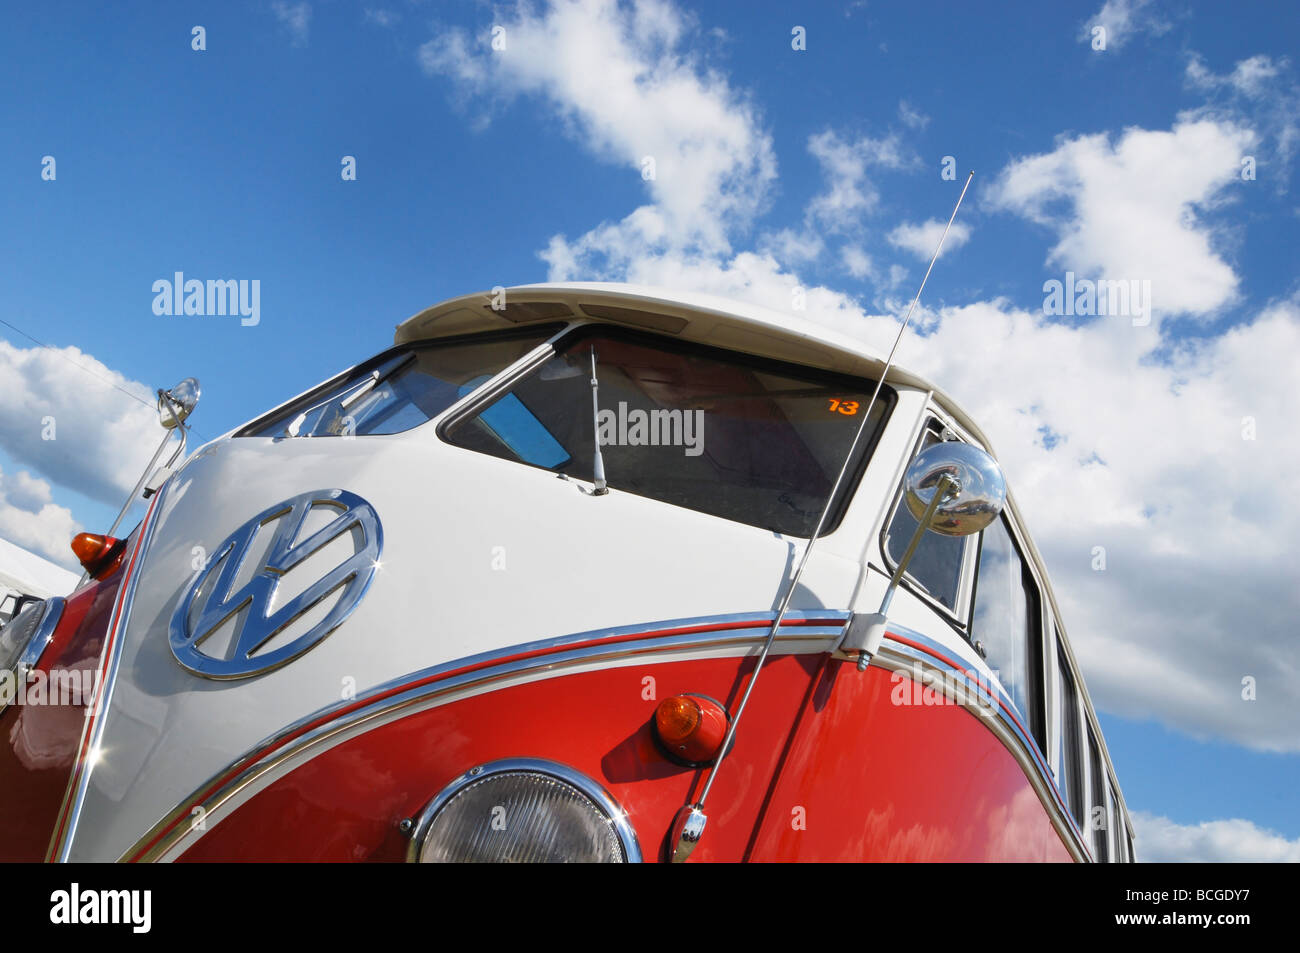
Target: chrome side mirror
(975,495)
(950,488)
(175,405)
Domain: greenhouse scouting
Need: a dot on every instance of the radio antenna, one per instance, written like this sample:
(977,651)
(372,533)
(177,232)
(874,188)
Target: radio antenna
(688,826)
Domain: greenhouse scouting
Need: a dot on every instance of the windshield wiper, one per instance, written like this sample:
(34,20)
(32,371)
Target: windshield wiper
(377,377)
(361,388)
(598,462)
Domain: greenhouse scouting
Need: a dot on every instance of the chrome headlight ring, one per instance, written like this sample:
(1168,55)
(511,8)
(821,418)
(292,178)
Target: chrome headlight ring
(525,794)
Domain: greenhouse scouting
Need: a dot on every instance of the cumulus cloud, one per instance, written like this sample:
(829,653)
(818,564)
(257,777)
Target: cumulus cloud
(25,491)
(1128,210)
(72,423)
(921,240)
(846,164)
(627,88)
(296,18)
(29,518)
(1160,840)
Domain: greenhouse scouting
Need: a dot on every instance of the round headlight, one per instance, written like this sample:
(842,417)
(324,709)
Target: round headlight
(523,811)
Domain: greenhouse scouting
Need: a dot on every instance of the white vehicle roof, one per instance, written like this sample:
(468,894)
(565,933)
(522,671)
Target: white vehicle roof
(703,318)
(31,574)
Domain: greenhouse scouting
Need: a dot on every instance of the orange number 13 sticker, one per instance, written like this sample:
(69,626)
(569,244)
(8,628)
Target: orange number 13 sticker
(846,407)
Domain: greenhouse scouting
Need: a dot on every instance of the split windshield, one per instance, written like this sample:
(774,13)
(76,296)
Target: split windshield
(745,439)
(713,431)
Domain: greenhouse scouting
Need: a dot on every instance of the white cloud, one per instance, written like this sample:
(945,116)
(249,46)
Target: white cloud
(1122,20)
(921,240)
(850,194)
(25,491)
(72,424)
(28,518)
(1250,77)
(296,18)
(912,117)
(1263,88)
(1128,211)
(1160,840)
(856,261)
(628,89)
(792,247)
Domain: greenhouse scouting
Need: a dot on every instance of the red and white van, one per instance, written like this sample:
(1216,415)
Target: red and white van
(402,617)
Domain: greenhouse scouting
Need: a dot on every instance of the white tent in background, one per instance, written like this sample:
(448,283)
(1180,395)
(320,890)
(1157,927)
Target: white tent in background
(33,575)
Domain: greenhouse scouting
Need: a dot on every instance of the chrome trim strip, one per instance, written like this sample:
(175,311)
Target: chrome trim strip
(719,631)
(85,765)
(561,772)
(711,632)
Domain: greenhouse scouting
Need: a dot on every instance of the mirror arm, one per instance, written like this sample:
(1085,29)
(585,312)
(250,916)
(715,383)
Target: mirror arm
(867,629)
(177,424)
(148,471)
(180,447)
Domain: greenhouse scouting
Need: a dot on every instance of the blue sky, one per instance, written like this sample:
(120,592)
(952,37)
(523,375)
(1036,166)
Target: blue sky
(776,167)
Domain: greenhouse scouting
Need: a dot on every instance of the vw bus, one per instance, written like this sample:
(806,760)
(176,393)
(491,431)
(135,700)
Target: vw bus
(573,572)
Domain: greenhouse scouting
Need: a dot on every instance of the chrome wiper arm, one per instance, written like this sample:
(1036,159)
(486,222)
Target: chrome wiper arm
(377,377)
(359,389)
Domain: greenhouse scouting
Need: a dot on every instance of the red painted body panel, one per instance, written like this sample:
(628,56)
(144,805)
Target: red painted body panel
(39,743)
(867,779)
(346,803)
(874,781)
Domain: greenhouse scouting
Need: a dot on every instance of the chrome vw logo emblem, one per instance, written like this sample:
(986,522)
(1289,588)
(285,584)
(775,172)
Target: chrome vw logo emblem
(212,603)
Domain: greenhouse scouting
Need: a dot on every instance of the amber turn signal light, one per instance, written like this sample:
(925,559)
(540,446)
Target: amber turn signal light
(690,728)
(99,555)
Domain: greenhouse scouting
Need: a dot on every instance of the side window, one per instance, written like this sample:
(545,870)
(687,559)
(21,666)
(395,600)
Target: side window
(1005,624)
(1098,817)
(936,564)
(1067,724)
(1118,837)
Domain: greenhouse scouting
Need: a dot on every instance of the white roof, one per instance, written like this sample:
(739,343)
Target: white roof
(31,574)
(703,318)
